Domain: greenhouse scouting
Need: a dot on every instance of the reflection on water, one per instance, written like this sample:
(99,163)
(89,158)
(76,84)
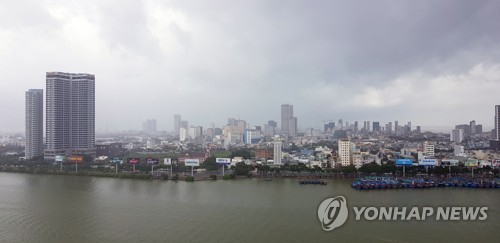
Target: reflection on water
(50,208)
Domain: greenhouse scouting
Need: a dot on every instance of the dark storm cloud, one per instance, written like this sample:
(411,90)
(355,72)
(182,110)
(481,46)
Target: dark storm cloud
(363,60)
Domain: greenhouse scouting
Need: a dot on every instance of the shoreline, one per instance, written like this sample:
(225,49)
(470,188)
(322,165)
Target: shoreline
(183,176)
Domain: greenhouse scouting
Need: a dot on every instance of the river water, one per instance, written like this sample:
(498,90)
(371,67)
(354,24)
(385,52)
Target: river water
(54,208)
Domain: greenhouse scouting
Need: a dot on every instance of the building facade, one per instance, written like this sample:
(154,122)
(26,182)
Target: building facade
(292,129)
(497,122)
(177,123)
(278,153)
(286,115)
(149,127)
(457,135)
(70,111)
(34,123)
(345,152)
(428,149)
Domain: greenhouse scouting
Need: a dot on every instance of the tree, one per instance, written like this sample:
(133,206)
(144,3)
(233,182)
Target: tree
(241,169)
(210,164)
(370,168)
(245,153)
(349,169)
(263,167)
(388,168)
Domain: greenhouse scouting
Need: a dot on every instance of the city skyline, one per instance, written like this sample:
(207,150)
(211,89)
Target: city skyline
(376,62)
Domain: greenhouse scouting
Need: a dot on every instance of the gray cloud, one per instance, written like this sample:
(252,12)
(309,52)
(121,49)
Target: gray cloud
(209,60)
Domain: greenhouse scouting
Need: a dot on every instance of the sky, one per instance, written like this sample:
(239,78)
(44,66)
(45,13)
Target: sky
(434,63)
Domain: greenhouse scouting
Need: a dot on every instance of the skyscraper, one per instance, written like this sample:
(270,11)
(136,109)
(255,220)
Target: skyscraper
(278,154)
(345,151)
(34,123)
(465,127)
(270,128)
(292,131)
(497,122)
(286,114)
(388,127)
(70,109)
(149,127)
(472,126)
(457,135)
(177,123)
(368,126)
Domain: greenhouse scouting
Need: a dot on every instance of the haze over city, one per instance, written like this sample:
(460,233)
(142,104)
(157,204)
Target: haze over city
(435,64)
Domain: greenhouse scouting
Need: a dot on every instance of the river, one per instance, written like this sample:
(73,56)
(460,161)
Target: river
(56,208)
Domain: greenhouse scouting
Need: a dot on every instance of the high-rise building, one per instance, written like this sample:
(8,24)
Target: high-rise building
(418,130)
(341,123)
(272,123)
(184,124)
(286,114)
(34,123)
(232,122)
(195,132)
(278,154)
(479,128)
(465,127)
(388,127)
(368,126)
(428,149)
(252,136)
(472,126)
(292,131)
(270,128)
(356,128)
(242,125)
(329,127)
(70,110)
(177,123)
(497,122)
(376,126)
(457,135)
(183,133)
(149,127)
(345,151)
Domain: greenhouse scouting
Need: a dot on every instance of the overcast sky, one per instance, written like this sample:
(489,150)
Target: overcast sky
(435,63)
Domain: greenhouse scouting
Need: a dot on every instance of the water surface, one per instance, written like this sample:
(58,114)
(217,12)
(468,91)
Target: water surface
(54,208)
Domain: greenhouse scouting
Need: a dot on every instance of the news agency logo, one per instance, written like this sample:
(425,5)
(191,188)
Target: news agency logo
(332,213)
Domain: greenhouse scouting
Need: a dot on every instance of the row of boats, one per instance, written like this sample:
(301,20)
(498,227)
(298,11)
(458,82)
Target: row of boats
(312,182)
(368,183)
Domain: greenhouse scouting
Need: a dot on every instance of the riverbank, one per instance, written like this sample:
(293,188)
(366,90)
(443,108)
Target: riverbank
(201,176)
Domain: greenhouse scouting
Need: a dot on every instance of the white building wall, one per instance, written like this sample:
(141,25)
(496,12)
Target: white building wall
(278,154)
(344,152)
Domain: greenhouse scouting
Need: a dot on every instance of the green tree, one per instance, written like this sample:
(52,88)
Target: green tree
(370,168)
(241,169)
(210,164)
(245,153)
(349,169)
(388,168)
